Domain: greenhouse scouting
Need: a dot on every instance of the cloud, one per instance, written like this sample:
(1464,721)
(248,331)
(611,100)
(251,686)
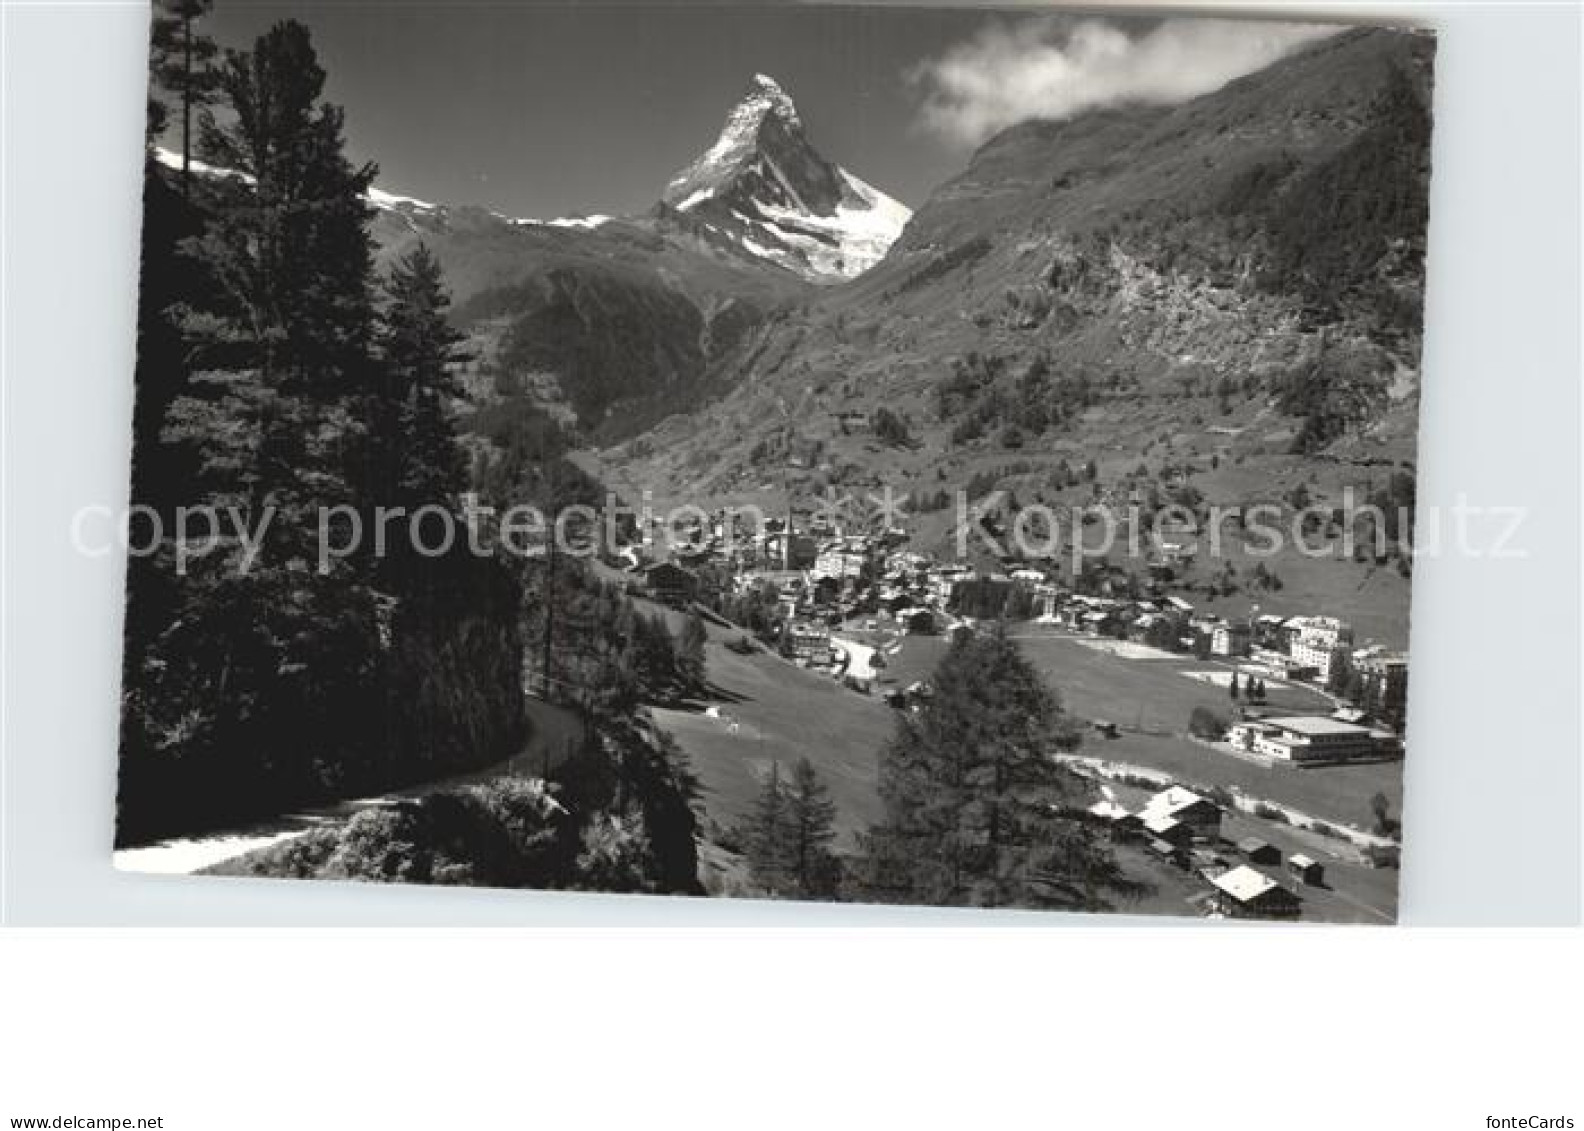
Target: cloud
(1054,67)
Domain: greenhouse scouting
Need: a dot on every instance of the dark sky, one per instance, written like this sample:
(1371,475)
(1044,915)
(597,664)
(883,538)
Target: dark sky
(542,111)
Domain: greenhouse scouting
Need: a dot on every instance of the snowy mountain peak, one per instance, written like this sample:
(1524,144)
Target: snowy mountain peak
(764,186)
(771,91)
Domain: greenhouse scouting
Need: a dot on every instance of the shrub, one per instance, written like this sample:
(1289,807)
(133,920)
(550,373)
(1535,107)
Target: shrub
(1205,723)
(1270,813)
(890,428)
(1221,796)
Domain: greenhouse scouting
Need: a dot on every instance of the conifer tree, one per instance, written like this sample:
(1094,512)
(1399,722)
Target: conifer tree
(690,653)
(285,348)
(1232,688)
(974,798)
(767,833)
(181,66)
(418,349)
(812,870)
(264,681)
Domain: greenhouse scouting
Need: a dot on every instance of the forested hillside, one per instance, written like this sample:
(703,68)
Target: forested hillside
(290,386)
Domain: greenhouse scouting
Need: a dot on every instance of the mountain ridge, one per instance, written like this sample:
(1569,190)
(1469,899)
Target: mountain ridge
(1231,283)
(764,185)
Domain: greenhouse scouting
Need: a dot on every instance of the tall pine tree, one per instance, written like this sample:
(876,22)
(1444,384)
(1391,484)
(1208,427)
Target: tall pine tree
(181,59)
(419,349)
(262,685)
(767,829)
(690,657)
(811,870)
(974,799)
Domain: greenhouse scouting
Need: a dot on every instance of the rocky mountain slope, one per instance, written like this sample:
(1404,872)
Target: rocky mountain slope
(1219,300)
(611,323)
(614,323)
(766,188)
(1121,270)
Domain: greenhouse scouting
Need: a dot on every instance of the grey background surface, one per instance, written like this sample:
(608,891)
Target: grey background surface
(1493,789)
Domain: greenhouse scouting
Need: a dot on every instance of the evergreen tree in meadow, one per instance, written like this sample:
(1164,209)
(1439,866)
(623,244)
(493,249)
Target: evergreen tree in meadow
(690,658)
(812,872)
(974,799)
(767,833)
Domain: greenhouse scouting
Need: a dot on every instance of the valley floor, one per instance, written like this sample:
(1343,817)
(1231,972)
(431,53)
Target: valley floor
(766,709)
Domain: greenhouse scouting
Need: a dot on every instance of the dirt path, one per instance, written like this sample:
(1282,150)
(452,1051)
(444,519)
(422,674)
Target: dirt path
(556,732)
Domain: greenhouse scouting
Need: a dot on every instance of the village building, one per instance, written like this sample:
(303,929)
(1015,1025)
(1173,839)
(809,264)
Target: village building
(670,583)
(1318,642)
(845,559)
(1267,633)
(1179,815)
(943,581)
(808,641)
(1310,739)
(1118,819)
(1099,622)
(1385,676)
(1306,869)
(1247,893)
(1169,851)
(1230,639)
(1257,851)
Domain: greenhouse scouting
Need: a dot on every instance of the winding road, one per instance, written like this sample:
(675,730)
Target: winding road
(554,732)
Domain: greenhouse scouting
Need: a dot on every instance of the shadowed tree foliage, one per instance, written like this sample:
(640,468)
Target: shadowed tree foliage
(789,835)
(419,350)
(181,70)
(810,817)
(282,384)
(262,676)
(690,659)
(767,856)
(976,806)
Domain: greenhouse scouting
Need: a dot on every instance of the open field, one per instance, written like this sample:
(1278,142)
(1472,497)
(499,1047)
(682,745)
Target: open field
(1149,694)
(1151,700)
(1153,694)
(771,710)
(1331,793)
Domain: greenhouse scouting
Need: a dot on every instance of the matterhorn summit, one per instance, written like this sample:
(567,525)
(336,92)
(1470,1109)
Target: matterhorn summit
(765,187)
